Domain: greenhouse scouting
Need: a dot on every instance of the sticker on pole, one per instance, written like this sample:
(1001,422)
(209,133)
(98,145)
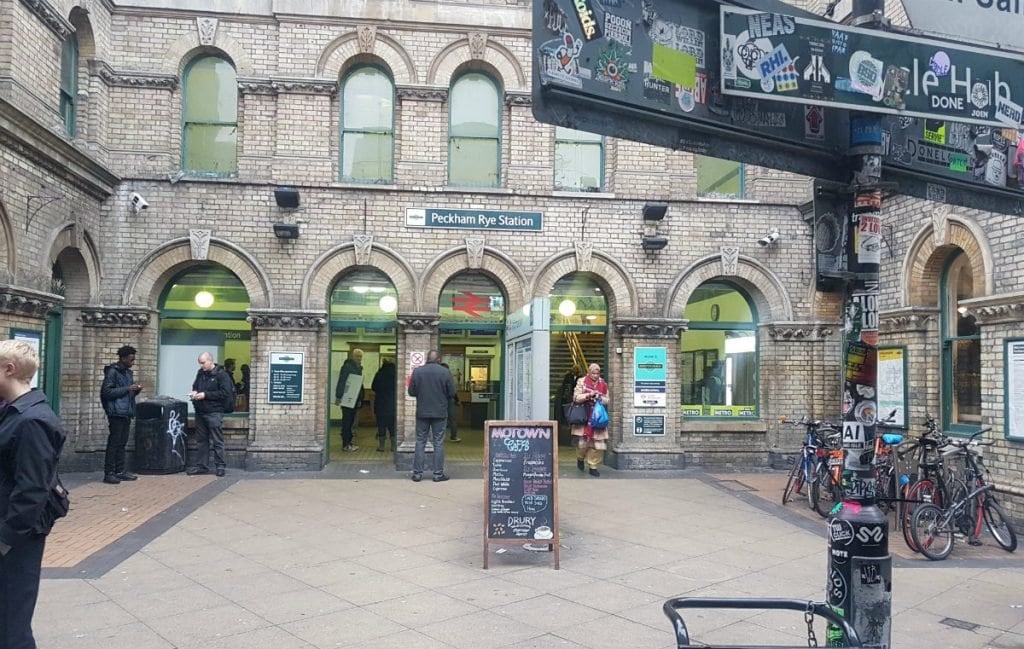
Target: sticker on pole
(854,435)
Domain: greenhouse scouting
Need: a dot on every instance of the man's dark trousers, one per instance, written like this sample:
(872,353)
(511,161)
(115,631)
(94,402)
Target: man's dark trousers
(210,428)
(19,580)
(434,427)
(113,463)
(348,420)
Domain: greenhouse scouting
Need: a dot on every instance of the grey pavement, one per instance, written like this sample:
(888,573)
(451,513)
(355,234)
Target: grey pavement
(326,561)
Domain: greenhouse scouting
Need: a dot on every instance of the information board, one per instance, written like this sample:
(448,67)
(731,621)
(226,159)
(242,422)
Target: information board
(521,484)
(286,370)
(649,425)
(892,385)
(1014,391)
(650,376)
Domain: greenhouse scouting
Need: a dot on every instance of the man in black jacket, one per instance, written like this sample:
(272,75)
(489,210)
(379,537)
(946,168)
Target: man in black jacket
(433,386)
(118,398)
(31,438)
(210,393)
(353,367)
(384,402)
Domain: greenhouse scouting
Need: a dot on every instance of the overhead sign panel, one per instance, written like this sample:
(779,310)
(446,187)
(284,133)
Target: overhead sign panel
(799,60)
(997,22)
(649,72)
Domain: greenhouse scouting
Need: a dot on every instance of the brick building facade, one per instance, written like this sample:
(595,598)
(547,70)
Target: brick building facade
(87,272)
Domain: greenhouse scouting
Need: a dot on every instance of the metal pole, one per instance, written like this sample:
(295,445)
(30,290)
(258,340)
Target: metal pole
(859,564)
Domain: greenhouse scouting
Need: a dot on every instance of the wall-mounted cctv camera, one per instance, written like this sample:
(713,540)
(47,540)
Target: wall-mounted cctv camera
(769,239)
(138,202)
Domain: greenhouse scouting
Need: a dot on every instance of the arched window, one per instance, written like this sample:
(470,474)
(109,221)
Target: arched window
(69,83)
(210,118)
(719,353)
(579,334)
(204,309)
(961,349)
(474,132)
(579,160)
(367,126)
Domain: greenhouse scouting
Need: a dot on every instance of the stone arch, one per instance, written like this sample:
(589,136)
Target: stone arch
(613,279)
(337,56)
(82,264)
(497,265)
(457,56)
(762,285)
(149,277)
(187,47)
(316,285)
(8,252)
(929,252)
(79,19)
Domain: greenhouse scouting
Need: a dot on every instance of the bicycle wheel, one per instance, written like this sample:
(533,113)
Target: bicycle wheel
(795,481)
(999,525)
(827,492)
(932,535)
(968,519)
(922,491)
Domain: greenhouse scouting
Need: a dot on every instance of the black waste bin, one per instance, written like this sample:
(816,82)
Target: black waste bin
(160,435)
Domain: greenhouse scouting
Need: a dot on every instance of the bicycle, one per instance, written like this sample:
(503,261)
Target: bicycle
(805,468)
(928,486)
(827,488)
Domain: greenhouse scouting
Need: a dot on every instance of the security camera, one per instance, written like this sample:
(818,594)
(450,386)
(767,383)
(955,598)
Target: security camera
(138,202)
(769,239)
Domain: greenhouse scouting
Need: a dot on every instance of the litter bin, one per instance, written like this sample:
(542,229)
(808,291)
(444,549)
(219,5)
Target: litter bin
(160,435)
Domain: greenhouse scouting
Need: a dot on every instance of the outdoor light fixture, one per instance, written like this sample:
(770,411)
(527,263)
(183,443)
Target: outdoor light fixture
(361,289)
(655,211)
(388,304)
(567,308)
(650,243)
(286,197)
(204,299)
(286,230)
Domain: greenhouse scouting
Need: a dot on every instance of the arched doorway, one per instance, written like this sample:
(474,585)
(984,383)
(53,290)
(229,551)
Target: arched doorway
(961,347)
(718,353)
(579,336)
(203,309)
(472,334)
(363,316)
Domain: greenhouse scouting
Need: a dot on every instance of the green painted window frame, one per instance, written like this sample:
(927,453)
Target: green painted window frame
(497,138)
(185,122)
(69,91)
(1019,437)
(599,144)
(946,352)
(342,131)
(43,350)
(741,171)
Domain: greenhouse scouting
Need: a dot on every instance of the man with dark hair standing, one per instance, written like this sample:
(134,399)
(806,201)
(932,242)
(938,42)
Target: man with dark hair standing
(433,387)
(210,393)
(118,398)
(384,402)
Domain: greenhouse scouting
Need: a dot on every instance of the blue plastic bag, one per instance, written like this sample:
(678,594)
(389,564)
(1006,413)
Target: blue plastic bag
(599,416)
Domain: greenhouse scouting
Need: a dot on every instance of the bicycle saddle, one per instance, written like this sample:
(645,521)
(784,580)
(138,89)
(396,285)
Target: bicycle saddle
(892,438)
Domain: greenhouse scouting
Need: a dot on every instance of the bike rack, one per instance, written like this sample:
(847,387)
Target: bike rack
(814,608)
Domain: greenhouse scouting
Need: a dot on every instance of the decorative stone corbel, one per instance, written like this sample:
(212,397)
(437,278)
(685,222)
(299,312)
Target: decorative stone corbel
(584,256)
(207,30)
(730,260)
(940,225)
(199,240)
(475,251)
(478,45)
(367,36)
(363,247)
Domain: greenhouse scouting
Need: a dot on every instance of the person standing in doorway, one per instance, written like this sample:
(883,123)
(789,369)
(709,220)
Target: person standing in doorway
(210,394)
(117,395)
(349,395)
(590,442)
(433,387)
(453,403)
(383,385)
(31,439)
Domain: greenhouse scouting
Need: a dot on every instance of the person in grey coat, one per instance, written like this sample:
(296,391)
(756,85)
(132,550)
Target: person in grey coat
(433,386)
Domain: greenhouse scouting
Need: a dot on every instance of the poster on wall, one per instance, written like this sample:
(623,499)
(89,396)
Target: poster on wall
(1015,388)
(650,376)
(286,370)
(892,385)
(34,339)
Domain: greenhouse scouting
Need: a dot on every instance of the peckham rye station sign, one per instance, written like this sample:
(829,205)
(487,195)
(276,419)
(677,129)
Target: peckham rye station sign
(443,217)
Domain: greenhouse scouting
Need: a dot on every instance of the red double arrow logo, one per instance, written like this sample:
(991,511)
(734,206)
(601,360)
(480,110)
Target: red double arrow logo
(471,304)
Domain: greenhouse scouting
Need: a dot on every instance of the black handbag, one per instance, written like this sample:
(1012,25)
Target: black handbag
(576,414)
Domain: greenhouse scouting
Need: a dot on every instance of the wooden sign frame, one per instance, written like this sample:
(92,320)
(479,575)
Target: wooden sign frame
(553,542)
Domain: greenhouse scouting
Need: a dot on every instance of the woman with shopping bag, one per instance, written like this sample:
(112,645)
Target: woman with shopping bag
(591,437)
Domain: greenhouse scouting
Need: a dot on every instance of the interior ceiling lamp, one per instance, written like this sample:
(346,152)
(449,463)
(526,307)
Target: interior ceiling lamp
(204,299)
(361,289)
(388,304)
(567,308)
(286,230)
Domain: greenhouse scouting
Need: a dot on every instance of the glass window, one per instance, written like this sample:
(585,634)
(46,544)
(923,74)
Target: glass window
(474,132)
(364,295)
(69,83)
(961,348)
(367,126)
(472,298)
(210,130)
(204,309)
(579,160)
(718,178)
(579,326)
(719,353)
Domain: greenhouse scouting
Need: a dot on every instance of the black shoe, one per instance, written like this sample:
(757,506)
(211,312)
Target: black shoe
(220,472)
(444,477)
(197,470)
(595,473)
(581,465)
(124,476)
(380,446)
(416,477)
(110,478)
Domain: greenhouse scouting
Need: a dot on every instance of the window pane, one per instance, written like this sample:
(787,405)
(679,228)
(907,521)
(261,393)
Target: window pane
(718,302)
(576,299)
(211,91)
(577,166)
(368,101)
(69,65)
(562,133)
(719,178)
(966,382)
(475,107)
(473,162)
(367,157)
(364,295)
(210,148)
(719,373)
(472,297)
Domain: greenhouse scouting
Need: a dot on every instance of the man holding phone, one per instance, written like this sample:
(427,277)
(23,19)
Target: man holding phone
(118,398)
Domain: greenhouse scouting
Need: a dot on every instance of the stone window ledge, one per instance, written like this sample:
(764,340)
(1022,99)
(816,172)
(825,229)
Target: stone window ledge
(724,427)
(561,193)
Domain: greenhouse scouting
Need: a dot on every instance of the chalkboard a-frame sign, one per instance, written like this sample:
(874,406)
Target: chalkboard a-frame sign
(521,484)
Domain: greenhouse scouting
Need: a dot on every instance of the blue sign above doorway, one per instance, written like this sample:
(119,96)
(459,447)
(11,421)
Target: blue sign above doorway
(443,217)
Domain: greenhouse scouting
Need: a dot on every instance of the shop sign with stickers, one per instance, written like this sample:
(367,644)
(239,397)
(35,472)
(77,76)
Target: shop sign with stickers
(800,60)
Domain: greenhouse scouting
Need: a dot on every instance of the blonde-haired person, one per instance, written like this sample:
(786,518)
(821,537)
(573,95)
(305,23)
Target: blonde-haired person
(590,442)
(31,438)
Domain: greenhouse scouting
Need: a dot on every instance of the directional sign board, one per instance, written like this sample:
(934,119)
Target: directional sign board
(799,60)
(649,72)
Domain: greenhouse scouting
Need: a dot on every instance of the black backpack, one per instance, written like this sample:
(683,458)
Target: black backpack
(229,404)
